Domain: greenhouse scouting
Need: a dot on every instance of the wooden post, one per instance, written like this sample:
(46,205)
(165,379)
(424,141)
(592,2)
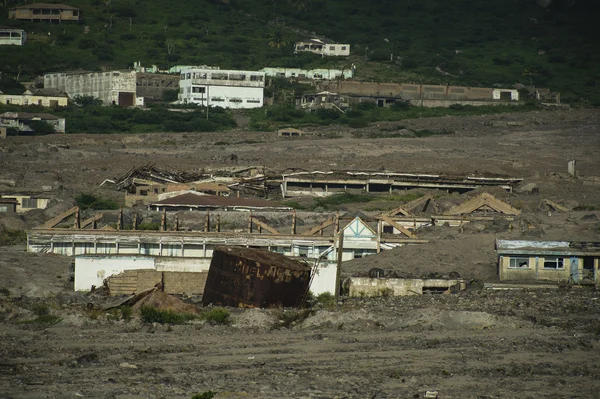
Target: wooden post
(218,223)
(379,230)
(134,221)
(163,220)
(120,219)
(337,222)
(176,227)
(207,222)
(340,253)
(294,223)
(250,222)
(77,223)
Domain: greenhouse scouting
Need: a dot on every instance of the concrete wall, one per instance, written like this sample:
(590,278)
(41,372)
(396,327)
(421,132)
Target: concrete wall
(91,271)
(297,73)
(45,101)
(106,86)
(153,85)
(364,286)
(190,283)
(135,281)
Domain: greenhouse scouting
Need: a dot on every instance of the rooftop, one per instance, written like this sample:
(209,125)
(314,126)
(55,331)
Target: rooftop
(29,115)
(194,200)
(46,6)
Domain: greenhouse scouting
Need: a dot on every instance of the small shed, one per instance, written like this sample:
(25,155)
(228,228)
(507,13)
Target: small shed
(569,261)
(290,132)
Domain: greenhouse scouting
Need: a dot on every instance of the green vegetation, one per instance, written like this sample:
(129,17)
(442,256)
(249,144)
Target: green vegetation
(153,315)
(90,201)
(291,317)
(326,299)
(42,311)
(474,43)
(216,316)
(204,395)
(12,237)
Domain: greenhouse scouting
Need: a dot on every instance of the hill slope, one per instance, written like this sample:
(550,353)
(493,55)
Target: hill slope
(475,43)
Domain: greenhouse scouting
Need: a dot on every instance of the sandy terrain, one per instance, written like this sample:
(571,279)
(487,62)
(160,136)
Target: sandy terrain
(474,344)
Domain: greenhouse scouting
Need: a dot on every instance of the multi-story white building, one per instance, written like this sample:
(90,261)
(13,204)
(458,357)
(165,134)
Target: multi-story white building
(13,36)
(222,88)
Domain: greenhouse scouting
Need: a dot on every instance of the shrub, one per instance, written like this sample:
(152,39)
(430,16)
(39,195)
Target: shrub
(216,316)
(153,315)
(204,395)
(327,299)
(47,319)
(90,201)
(12,237)
(126,312)
(358,123)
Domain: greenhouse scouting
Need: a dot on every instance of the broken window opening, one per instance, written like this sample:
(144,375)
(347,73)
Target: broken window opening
(519,263)
(554,263)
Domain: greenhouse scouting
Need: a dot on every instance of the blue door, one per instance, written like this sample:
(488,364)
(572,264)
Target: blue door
(574,269)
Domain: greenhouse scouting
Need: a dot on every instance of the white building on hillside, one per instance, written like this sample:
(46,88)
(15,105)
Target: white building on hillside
(222,88)
(323,48)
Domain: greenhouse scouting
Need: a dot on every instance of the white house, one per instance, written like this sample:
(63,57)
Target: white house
(311,74)
(222,88)
(12,36)
(323,48)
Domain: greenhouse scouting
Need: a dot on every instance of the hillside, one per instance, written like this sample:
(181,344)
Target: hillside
(475,43)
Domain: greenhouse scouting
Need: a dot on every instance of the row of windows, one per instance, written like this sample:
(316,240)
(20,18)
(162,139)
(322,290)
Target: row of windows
(231,100)
(222,76)
(554,263)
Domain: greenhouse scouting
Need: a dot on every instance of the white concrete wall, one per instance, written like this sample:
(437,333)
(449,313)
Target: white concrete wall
(102,85)
(182,264)
(514,94)
(94,270)
(324,279)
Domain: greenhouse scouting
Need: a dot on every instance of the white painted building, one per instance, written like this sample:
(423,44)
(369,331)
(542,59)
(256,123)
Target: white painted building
(222,88)
(12,36)
(323,48)
(505,94)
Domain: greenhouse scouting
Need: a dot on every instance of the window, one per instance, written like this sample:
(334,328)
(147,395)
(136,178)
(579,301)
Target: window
(3,208)
(188,75)
(554,263)
(519,262)
(343,48)
(30,203)
(217,99)
(198,89)
(257,78)
(253,101)
(331,48)
(235,100)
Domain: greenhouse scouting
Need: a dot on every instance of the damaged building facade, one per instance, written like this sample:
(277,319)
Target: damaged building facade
(113,87)
(222,88)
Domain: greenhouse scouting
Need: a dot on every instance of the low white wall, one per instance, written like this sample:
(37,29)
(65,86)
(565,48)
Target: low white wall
(324,279)
(93,270)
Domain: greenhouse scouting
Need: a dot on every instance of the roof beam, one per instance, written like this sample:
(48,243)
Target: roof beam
(91,221)
(319,228)
(398,226)
(50,224)
(264,226)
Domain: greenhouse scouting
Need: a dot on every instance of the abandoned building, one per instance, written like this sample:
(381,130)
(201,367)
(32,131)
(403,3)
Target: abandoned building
(366,286)
(290,132)
(113,88)
(202,202)
(45,97)
(27,202)
(322,184)
(152,86)
(21,120)
(557,261)
(317,245)
(45,13)
(12,36)
(152,192)
(309,74)
(324,99)
(323,48)
(222,88)
(387,94)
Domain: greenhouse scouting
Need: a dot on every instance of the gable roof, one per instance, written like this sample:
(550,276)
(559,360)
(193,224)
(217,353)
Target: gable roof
(213,201)
(484,201)
(45,6)
(357,228)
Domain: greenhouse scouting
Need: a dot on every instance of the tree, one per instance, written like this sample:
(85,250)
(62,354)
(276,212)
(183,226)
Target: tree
(300,5)
(277,40)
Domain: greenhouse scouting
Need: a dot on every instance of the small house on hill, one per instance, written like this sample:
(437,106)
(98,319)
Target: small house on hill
(12,36)
(322,47)
(21,120)
(568,261)
(45,12)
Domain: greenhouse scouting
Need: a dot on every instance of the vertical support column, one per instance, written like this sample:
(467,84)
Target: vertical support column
(294,223)
(77,224)
(120,220)
(379,230)
(337,223)
(163,220)
(218,223)
(135,221)
(207,222)
(176,226)
(250,222)
(340,254)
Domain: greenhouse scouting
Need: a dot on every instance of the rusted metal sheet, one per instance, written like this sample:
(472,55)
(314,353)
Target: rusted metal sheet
(241,276)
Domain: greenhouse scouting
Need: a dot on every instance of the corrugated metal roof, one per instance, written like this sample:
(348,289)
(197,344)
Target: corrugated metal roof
(540,247)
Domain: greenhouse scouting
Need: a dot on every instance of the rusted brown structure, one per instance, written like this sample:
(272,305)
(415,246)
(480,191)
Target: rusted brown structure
(241,276)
